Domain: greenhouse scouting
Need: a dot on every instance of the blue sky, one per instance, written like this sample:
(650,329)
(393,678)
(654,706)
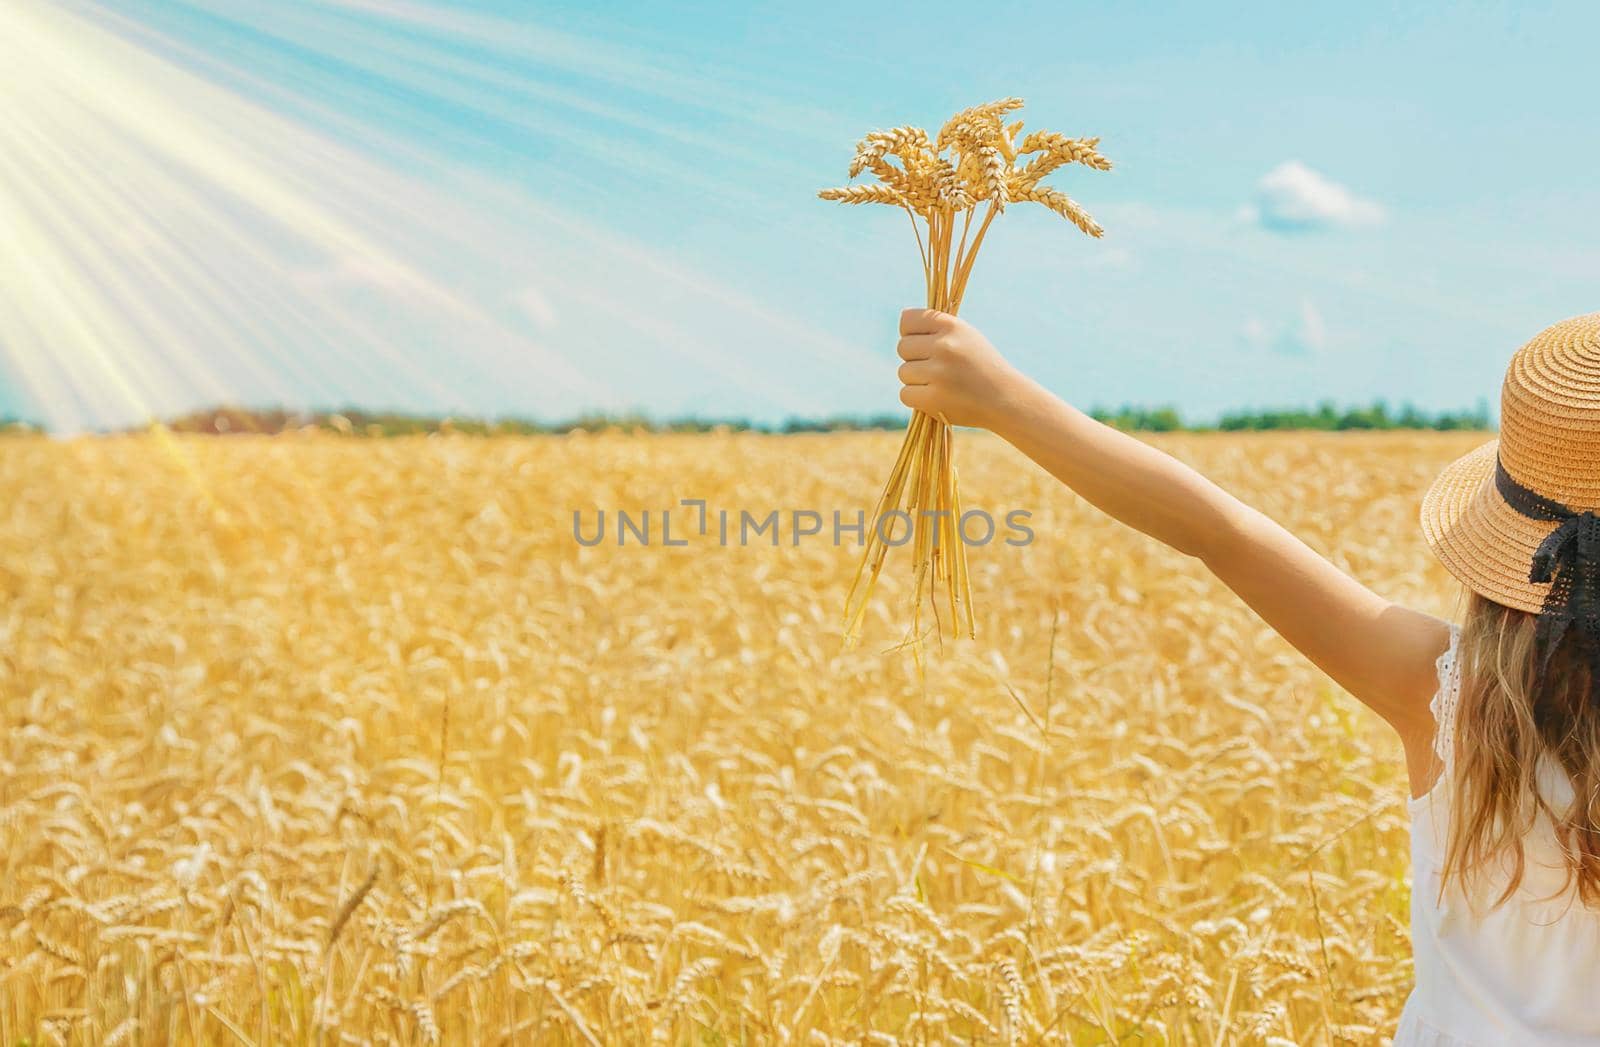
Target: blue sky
(503,208)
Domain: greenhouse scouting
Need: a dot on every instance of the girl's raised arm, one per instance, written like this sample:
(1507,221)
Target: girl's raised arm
(1379,651)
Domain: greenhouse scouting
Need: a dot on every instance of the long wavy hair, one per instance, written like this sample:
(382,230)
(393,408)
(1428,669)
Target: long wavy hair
(1505,727)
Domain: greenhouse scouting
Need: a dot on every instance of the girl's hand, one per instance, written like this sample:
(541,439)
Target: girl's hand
(952,372)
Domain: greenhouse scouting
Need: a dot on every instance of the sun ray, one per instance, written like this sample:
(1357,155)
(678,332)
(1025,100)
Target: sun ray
(182,158)
(211,234)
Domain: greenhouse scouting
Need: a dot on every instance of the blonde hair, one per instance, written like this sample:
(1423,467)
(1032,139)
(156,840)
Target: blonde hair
(1506,725)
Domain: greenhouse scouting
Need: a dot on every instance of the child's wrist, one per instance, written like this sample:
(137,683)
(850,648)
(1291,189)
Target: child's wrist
(1018,402)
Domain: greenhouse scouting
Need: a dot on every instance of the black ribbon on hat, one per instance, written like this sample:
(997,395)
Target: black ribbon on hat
(1569,560)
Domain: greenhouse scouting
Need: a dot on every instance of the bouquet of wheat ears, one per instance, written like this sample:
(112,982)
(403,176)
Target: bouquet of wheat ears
(977,162)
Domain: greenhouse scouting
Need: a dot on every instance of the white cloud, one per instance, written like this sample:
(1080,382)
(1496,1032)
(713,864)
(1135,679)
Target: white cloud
(1293,198)
(1254,332)
(1300,335)
(537,307)
(1313,332)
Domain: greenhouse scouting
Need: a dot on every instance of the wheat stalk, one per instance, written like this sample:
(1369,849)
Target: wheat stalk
(351,904)
(940,184)
(866,194)
(1065,206)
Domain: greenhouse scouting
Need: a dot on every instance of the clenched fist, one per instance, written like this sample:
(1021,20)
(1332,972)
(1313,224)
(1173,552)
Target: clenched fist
(952,372)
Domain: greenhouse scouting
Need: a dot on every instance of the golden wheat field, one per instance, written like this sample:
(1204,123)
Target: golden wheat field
(313,739)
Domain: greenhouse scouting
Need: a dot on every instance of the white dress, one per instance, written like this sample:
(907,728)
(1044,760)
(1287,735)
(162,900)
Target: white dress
(1524,975)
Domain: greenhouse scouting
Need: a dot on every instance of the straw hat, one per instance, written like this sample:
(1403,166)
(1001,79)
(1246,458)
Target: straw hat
(1549,443)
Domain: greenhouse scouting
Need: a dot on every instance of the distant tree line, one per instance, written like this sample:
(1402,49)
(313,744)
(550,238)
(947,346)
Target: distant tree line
(227,420)
(1377,416)
(355,422)
(1325,416)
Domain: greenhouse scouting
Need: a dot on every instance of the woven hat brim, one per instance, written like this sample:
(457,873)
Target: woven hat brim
(1480,539)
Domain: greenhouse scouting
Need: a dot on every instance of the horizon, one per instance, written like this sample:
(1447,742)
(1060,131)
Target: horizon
(1395,416)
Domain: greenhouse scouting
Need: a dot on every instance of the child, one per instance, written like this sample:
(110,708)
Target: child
(1499,716)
